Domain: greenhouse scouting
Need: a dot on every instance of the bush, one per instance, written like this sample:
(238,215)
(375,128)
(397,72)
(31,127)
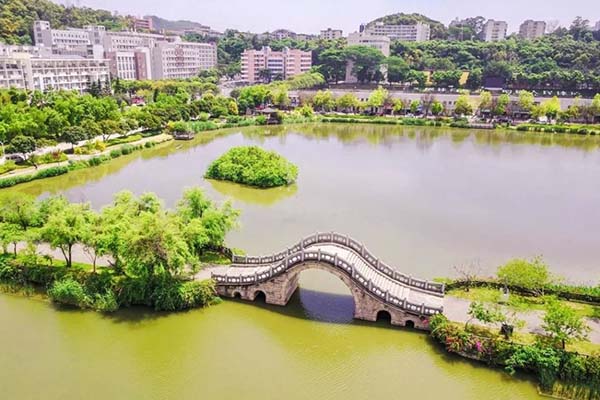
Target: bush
(125,139)
(116,153)
(173,295)
(253,166)
(106,302)
(125,150)
(68,292)
(8,166)
(261,120)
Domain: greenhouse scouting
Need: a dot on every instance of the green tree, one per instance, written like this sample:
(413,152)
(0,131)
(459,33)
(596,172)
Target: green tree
(397,69)
(563,324)
(463,105)
(366,62)
(437,108)
(347,102)
(74,135)
(25,145)
(526,100)
(378,98)
(532,275)
(281,97)
(324,100)
(65,227)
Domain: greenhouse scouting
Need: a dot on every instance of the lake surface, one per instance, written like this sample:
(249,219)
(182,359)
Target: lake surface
(309,350)
(423,200)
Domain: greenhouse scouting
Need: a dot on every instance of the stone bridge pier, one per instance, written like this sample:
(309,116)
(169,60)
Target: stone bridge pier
(279,289)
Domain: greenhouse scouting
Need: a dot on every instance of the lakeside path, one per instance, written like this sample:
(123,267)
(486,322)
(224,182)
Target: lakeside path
(163,137)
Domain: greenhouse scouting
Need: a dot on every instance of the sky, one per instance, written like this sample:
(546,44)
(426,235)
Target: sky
(310,16)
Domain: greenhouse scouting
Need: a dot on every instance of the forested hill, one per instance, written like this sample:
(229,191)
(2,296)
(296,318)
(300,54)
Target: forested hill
(161,23)
(438,30)
(17,16)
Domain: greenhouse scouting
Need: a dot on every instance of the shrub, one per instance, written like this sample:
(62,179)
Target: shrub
(106,302)
(94,161)
(253,166)
(116,153)
(261,120)
(68,292)
(8,166)
(125,150)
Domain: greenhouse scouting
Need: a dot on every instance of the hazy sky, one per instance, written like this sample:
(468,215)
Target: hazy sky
(310,16)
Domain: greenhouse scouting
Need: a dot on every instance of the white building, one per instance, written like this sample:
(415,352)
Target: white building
(597,26)
(331,34)
(131,55)
(181,60)
(381,43)
(24,71)
(532,29)
(407,33)
(494,31)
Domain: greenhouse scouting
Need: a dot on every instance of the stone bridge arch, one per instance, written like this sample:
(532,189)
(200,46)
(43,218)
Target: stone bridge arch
(279,289)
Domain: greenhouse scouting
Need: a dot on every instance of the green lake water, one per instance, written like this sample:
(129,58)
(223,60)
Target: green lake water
(421,199)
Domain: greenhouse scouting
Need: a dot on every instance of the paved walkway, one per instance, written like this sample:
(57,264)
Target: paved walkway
(457,310)
(31,170)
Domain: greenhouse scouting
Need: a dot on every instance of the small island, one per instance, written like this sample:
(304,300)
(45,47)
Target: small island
(253,166)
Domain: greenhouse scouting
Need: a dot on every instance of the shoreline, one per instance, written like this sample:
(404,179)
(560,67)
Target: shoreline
(50,170)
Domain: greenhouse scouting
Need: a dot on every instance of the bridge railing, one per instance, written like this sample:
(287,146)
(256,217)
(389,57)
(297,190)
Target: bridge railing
(356,246)
(333,259)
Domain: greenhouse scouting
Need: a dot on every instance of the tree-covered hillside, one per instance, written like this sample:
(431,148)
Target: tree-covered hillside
(438,30)
(17,16)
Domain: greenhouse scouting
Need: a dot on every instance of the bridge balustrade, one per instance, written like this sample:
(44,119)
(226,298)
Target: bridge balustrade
(356,246)
(333,259)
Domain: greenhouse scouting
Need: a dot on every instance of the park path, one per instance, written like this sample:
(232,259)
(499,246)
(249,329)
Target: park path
(457,310)
(31,170)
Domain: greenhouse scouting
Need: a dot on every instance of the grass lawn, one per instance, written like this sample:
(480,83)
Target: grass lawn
(517,302)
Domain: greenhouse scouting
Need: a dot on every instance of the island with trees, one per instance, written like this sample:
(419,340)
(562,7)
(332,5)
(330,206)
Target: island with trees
(253,166)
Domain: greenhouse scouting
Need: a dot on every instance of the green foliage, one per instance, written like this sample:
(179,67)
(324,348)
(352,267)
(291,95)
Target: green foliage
(253,166)
(41,174)
(68,292)
(532,275)
(563,324)
(544,361)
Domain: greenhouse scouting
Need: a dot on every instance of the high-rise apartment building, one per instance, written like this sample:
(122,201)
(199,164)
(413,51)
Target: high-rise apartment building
(597,26)
(144,24)
(407,33)
(494,31)
(532,29)
(180,60)
(284,64)
(331,34)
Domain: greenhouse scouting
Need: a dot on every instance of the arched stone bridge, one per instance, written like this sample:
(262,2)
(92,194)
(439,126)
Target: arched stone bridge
(376,287)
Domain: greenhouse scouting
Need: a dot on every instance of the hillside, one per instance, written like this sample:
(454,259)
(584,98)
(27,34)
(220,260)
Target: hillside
(182,25)
(438,30)
(17,16)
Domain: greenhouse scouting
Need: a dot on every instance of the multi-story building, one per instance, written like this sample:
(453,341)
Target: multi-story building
(180,60)
(531,29)
(418,32)
(597,26)
(381,43)
(24,71)
(494,31)
(130,55)
(144,24)
(282,64)
(281,34)
(331,34)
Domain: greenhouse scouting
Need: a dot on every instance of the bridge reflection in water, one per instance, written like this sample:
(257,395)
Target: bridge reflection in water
(376,288)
